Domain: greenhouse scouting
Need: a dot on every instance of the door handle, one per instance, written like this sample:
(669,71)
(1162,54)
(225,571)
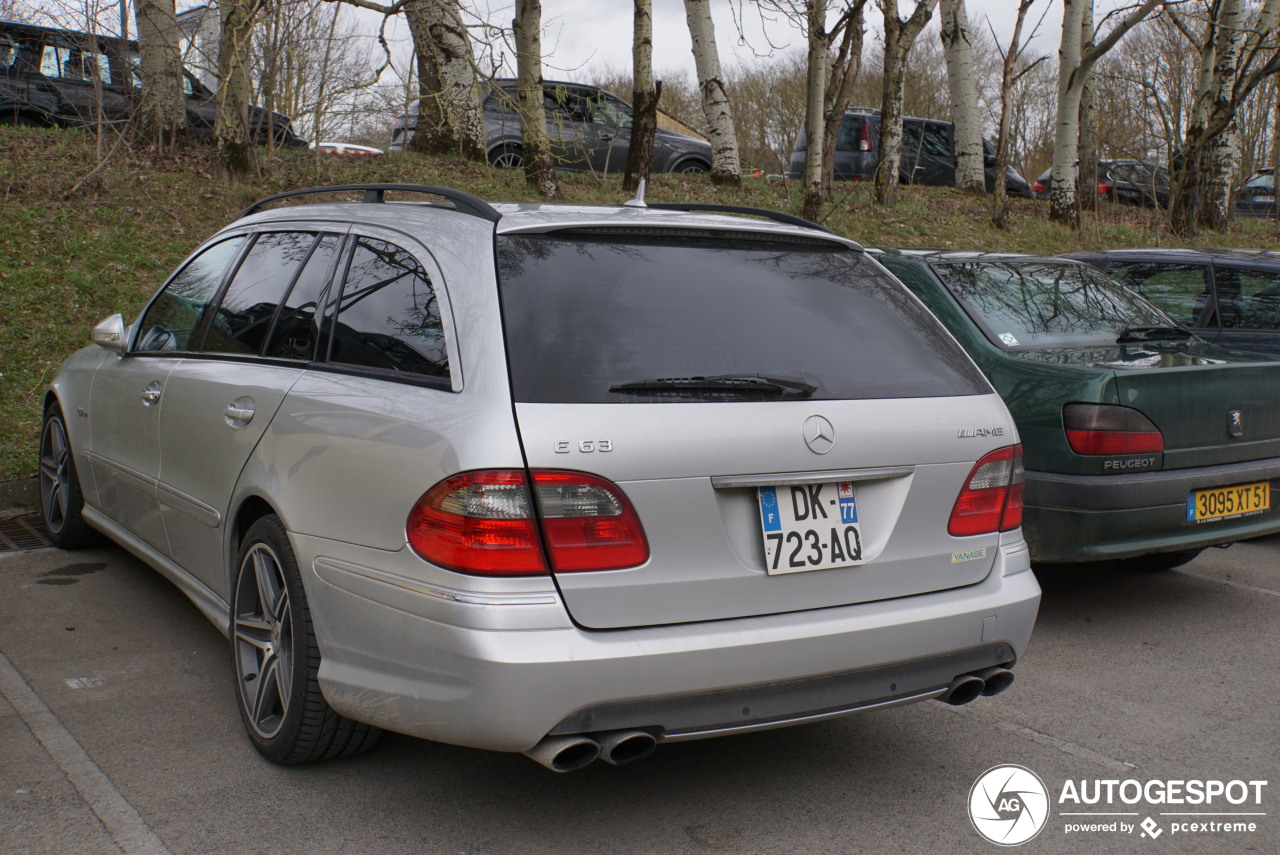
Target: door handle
(239,412)
(151,394)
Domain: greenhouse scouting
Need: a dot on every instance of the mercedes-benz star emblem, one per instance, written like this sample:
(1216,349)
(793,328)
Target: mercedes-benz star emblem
(819,434)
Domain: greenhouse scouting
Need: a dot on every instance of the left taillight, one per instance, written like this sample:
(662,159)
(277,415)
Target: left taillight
(484,523)
(991,499)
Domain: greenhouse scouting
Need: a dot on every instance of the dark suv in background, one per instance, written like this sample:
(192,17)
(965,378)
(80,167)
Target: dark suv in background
(1129,182)
(928,153)
(589,130)
(1257,196)
(64,78)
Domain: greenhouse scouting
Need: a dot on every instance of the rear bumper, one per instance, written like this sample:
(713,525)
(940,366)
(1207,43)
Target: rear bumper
(1072,518)
(501,676)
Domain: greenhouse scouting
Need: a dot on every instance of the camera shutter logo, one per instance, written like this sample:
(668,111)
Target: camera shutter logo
(1008,805)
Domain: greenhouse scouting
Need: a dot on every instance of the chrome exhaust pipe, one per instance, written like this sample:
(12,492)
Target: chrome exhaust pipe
(963,689)
(621,747)
(995,679)
(565,753)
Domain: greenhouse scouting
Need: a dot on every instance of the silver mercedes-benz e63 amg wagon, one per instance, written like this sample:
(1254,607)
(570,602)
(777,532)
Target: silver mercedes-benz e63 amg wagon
(563,480)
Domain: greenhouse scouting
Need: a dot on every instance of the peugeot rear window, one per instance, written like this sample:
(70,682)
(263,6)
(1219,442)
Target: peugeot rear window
(676,316)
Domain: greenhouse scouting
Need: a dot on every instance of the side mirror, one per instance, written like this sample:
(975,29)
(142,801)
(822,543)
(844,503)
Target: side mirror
(110,334)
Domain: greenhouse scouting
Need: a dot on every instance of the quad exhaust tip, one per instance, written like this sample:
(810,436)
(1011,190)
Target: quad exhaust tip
(571,753)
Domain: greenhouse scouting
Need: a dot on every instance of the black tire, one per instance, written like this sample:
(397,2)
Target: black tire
(692,167)
(18,120)
(1161,561)
(61,500)
(507,157)
(276,658)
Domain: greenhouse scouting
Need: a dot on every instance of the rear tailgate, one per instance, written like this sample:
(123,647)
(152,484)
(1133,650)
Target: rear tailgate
(694,471)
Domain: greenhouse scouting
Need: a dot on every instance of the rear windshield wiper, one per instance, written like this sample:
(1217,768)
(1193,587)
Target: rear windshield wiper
(722,383)
(1153,333)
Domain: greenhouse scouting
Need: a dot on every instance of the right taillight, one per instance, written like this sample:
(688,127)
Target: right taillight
(485,523)
(991,499)
(1110,429)
(864,138)
(1038,187)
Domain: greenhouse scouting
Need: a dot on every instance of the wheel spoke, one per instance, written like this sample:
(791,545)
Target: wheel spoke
(270,591)
(254,631)
(266,694)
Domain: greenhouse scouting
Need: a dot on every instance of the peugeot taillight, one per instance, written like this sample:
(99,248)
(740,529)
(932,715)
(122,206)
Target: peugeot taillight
(1103,188)
(485,523)
(1039,188)
(864,137)
(991,499)
(1110,429)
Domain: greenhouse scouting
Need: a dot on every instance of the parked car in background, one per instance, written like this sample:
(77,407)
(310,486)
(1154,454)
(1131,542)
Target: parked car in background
(1141,441)
(928,153)
(479,473)
(1128,182)
(589,130)
(1257,196)
(63,78)
(1230,297)
(345,148)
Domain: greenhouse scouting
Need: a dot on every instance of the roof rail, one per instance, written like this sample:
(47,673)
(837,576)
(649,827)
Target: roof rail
(464,202)
(776,216)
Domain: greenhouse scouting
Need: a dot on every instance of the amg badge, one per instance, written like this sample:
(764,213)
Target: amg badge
(967,433)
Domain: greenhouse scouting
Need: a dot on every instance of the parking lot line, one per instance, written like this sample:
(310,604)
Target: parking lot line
(130,832)
(1233,583)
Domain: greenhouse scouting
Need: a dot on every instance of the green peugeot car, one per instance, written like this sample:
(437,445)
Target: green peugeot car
(1142,442)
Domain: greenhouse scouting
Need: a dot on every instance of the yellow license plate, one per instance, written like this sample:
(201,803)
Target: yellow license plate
(1224,503)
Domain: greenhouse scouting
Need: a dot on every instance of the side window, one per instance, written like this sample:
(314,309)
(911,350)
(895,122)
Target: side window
(388,314)
(1248,299)
(72,63)
(294,334)
(607,110)
(852,136)
(51,57)
(936,141)
(8,50)
(240,323)
(174,314)
(1182,290)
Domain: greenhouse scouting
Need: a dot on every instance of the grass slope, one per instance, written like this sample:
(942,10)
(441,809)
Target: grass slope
(67,262)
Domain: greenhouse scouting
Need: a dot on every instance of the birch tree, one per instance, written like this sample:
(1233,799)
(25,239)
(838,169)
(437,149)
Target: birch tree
(644,99)
(231,118)
(899,36)
(450,111)
(845,68)
(1074,65)
(1235,58)
(815,130)
(1009,76)
(725,164)
(962,86)
(162,113)
(539,170)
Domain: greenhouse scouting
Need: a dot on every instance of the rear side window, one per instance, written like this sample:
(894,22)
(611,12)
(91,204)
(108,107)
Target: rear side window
(1182,290)
(388,316)
(295,332)
(625,317)
(173,316)
(240,323)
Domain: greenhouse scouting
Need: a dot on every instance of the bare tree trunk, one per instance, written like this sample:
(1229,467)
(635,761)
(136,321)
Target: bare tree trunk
(162,113)
(962,86)
(1074,65)
(844,74)
(725,165)
(1087,170)
(1275,148)
(819,43)
(539,170)
(1228,74)
(644,99)
(231,125)
(1000,193)
(450,113)
(899,36)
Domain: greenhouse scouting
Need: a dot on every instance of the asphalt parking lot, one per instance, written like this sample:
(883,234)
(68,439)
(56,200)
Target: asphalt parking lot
(118,734)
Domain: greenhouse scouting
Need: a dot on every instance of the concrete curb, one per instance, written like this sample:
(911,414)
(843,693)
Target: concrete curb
(19,494)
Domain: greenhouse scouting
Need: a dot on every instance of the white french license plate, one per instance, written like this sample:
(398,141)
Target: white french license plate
(810,527)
